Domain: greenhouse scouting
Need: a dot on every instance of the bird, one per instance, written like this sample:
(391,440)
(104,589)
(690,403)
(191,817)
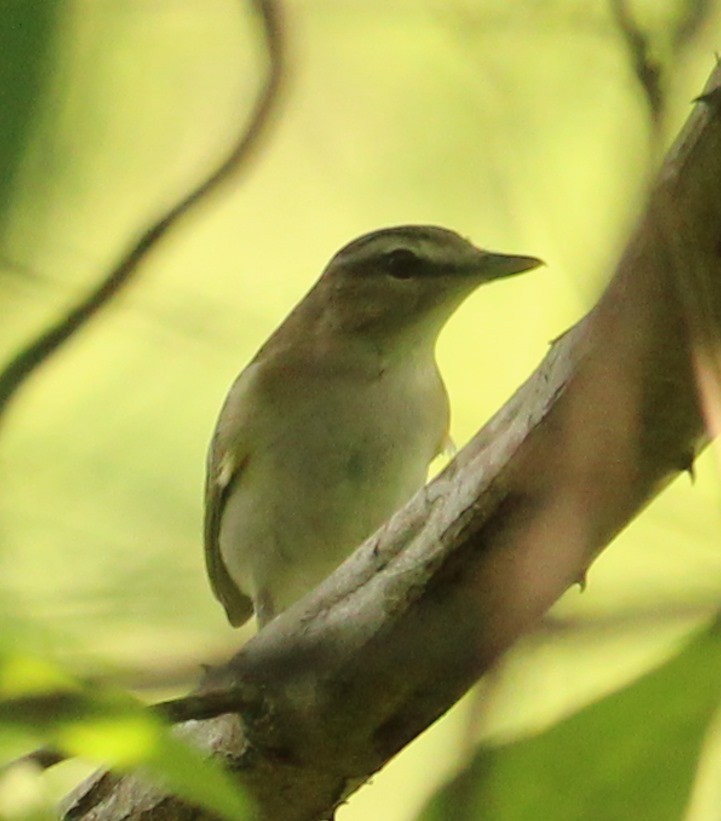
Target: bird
(332,426)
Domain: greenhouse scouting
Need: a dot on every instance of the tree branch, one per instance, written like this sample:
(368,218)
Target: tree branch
(37,352)
(398,633)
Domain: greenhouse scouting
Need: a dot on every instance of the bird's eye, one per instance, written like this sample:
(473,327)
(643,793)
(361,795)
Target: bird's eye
(402,263)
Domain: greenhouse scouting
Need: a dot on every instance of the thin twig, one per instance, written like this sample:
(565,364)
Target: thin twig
(246,699)
(648,70)
(236,698)
(696,13)
(37,352)
(42,759)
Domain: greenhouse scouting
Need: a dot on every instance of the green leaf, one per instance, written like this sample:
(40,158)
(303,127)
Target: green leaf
(39,700)
(133,740)
(27,41)
(631,755)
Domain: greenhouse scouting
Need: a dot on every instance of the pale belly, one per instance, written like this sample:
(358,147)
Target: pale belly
(319,487)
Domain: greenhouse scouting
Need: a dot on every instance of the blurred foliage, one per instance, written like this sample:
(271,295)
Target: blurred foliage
(41,705)
(27,49)
(521,123)
(630,755)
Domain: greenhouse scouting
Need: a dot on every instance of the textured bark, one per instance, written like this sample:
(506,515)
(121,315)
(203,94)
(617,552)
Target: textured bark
(348,676)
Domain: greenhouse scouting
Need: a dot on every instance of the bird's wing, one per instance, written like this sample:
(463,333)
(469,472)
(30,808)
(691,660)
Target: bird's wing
(226,458)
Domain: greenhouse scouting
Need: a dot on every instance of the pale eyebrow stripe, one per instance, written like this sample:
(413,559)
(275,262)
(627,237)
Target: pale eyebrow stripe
(412,232)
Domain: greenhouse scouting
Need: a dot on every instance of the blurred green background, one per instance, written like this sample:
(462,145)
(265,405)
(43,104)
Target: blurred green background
(519,123)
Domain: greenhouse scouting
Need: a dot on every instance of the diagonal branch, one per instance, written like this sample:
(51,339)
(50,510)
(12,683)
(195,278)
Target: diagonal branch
(398,633)
(39,351)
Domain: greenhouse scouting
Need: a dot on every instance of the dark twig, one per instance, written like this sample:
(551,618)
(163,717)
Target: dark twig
(246,699)
(649,69)
(235,698)
(199,706)
(696,13)
(43,759)
(37,352)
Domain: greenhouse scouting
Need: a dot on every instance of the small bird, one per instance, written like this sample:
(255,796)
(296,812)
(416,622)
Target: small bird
(332,426)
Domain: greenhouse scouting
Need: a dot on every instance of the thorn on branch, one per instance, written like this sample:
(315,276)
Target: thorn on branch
(710,98)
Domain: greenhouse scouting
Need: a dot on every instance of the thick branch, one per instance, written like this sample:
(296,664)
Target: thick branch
(391,640)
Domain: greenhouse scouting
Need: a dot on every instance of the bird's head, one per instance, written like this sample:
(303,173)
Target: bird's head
(407,281)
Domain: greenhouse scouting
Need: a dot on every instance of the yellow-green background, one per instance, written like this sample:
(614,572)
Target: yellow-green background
(518,123)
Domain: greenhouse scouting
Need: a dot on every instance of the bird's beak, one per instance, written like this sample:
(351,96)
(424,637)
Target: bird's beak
(498,266)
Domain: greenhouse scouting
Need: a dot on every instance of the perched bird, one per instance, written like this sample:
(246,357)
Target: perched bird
(331,428)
